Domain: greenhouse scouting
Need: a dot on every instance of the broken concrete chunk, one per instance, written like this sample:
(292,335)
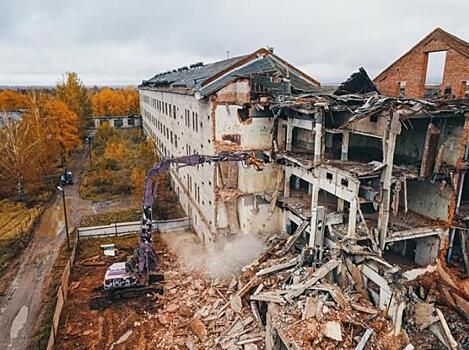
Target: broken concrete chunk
(424,315)
(332,330)
(310,308)
(364,339)
(164,319)
(250,347)
(277,268)
(449,337)
(198,328)
(233,283)
(190,345)
(236,303)
(172,308)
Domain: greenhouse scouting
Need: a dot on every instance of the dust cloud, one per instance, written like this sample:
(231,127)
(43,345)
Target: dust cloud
(221,259)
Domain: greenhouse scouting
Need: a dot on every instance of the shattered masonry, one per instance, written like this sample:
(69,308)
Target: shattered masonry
(368,191)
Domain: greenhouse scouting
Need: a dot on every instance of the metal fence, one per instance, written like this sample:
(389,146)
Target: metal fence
(62,295)
(126,228)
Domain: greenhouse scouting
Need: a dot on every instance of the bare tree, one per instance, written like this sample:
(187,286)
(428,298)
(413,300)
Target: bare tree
(17,150)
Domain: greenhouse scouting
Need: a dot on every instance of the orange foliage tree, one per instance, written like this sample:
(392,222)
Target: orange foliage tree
(32,147)
(74,94)
(115,102)
(62,124)
(11,100)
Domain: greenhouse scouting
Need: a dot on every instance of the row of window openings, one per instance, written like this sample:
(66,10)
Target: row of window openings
(173,138)
(161,127)
(189,209)
(446,92)
(170,110)
(194,188)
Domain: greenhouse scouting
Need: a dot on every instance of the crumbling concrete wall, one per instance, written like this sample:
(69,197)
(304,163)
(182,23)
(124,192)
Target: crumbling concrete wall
(411,142)
(255,216)
(303,138)
(232,133)
(450,140)
(252,181)
(427,249)
(237,92)
(375,125)
(429,199)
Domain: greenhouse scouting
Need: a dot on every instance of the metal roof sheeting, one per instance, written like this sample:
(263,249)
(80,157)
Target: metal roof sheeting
(204,80)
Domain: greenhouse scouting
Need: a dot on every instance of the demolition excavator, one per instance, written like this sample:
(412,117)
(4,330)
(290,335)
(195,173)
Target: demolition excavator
(140,273)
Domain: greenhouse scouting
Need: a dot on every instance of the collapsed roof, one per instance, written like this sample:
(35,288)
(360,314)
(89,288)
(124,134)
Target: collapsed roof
(267,69)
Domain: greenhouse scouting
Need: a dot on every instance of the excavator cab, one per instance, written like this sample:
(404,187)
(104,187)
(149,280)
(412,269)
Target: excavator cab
(119,275)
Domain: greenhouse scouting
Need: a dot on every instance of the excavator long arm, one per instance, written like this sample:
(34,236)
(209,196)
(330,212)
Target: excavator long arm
(145,254)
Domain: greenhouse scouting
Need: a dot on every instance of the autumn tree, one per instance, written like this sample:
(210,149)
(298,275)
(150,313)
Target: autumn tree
(74,94)
(32,147)
(115,102)
(132,100)
(62,125)
(17,152)
(11,100)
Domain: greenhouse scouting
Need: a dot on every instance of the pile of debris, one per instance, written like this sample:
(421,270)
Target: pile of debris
(289,299)
(281,298)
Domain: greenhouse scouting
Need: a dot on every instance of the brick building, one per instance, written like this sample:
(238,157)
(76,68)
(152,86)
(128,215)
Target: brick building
(359,186)
(406,77)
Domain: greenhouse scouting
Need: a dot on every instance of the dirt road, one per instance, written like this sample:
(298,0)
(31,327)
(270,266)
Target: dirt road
(20,308)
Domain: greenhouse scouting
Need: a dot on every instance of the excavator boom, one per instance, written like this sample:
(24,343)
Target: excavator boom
(145,254)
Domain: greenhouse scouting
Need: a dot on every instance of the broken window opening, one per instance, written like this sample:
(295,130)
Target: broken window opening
(402,253)
(243,114)
(435,68)
(401,86)
(463,209)
(447,92)
(292,228)
(365,148)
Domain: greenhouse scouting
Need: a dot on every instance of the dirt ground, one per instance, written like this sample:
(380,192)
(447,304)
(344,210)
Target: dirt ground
(21,305)
(164,321)
(147,322)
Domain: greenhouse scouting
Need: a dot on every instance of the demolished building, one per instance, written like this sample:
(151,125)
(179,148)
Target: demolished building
(367,189)
(205,109)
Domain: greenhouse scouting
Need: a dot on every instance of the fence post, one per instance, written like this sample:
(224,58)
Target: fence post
(115,226)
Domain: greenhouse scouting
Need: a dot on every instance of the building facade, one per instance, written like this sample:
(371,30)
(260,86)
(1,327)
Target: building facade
(208,109)
(118,121)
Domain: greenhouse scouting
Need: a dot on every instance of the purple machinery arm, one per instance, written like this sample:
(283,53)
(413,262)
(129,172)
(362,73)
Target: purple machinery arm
(145,254)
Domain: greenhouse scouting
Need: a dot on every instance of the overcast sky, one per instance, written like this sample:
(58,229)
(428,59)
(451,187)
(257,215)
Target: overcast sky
(123,42)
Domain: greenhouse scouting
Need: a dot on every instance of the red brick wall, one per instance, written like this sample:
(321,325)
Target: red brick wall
(456,72)
(412,69)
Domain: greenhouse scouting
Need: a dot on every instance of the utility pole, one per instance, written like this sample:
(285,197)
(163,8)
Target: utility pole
(65,215)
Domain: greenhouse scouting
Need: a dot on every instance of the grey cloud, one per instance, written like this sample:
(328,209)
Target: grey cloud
(127,41)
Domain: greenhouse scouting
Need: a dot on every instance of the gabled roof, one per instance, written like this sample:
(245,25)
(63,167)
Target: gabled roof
(451,40)
(204,80)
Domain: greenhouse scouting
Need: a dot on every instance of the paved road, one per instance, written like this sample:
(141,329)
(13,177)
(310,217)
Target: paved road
(20,308)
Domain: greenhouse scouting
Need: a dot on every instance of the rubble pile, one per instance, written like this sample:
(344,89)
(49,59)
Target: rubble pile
(289,299)
(277,298)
